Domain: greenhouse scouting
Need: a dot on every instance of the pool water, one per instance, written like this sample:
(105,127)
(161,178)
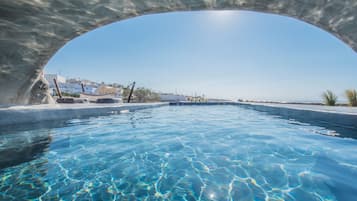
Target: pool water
(178,153)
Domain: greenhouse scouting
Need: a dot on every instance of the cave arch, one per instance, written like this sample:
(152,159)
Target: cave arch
(33,30)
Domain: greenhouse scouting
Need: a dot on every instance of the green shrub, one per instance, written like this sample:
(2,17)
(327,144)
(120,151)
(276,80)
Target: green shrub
(143,95)
(329,98)
(70,95)
(352,97)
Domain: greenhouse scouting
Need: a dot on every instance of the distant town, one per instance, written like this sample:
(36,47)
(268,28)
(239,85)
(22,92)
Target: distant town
(75,87)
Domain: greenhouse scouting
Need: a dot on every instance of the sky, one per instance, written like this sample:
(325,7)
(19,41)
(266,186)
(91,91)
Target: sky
(221,54)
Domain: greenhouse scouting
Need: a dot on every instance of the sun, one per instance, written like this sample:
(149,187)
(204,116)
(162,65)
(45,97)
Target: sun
(223,16)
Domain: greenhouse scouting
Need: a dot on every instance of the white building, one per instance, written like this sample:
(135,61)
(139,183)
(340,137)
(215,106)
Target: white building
(74,86)
(164,97)
(108,90)
(50,77)
(69,86)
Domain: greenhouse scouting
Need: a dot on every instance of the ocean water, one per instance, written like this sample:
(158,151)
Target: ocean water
(177,153)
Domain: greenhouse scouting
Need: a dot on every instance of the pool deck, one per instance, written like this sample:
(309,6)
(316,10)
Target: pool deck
(343,110)
(25,114)
(341,119)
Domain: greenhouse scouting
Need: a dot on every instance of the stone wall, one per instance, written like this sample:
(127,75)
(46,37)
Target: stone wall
(33,30)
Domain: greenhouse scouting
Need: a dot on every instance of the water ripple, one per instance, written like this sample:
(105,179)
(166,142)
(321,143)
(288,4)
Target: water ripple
(178,153)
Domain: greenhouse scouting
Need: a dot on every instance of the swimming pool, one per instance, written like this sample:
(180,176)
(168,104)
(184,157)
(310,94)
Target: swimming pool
(177,153)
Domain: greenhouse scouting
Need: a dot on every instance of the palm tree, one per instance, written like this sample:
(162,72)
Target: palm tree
(352,97)
(329,98)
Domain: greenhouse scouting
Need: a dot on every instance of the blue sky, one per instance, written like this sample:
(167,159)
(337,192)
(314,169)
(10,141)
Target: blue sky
(223,54)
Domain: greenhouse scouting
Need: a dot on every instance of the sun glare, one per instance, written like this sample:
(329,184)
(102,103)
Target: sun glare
(223,16)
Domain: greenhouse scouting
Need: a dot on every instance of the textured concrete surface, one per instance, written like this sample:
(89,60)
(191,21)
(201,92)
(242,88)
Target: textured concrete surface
(19,115)
(314,108)
(33,30)
(341,120)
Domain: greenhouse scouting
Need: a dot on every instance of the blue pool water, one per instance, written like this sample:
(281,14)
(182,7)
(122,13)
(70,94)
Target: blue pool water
(178,153)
